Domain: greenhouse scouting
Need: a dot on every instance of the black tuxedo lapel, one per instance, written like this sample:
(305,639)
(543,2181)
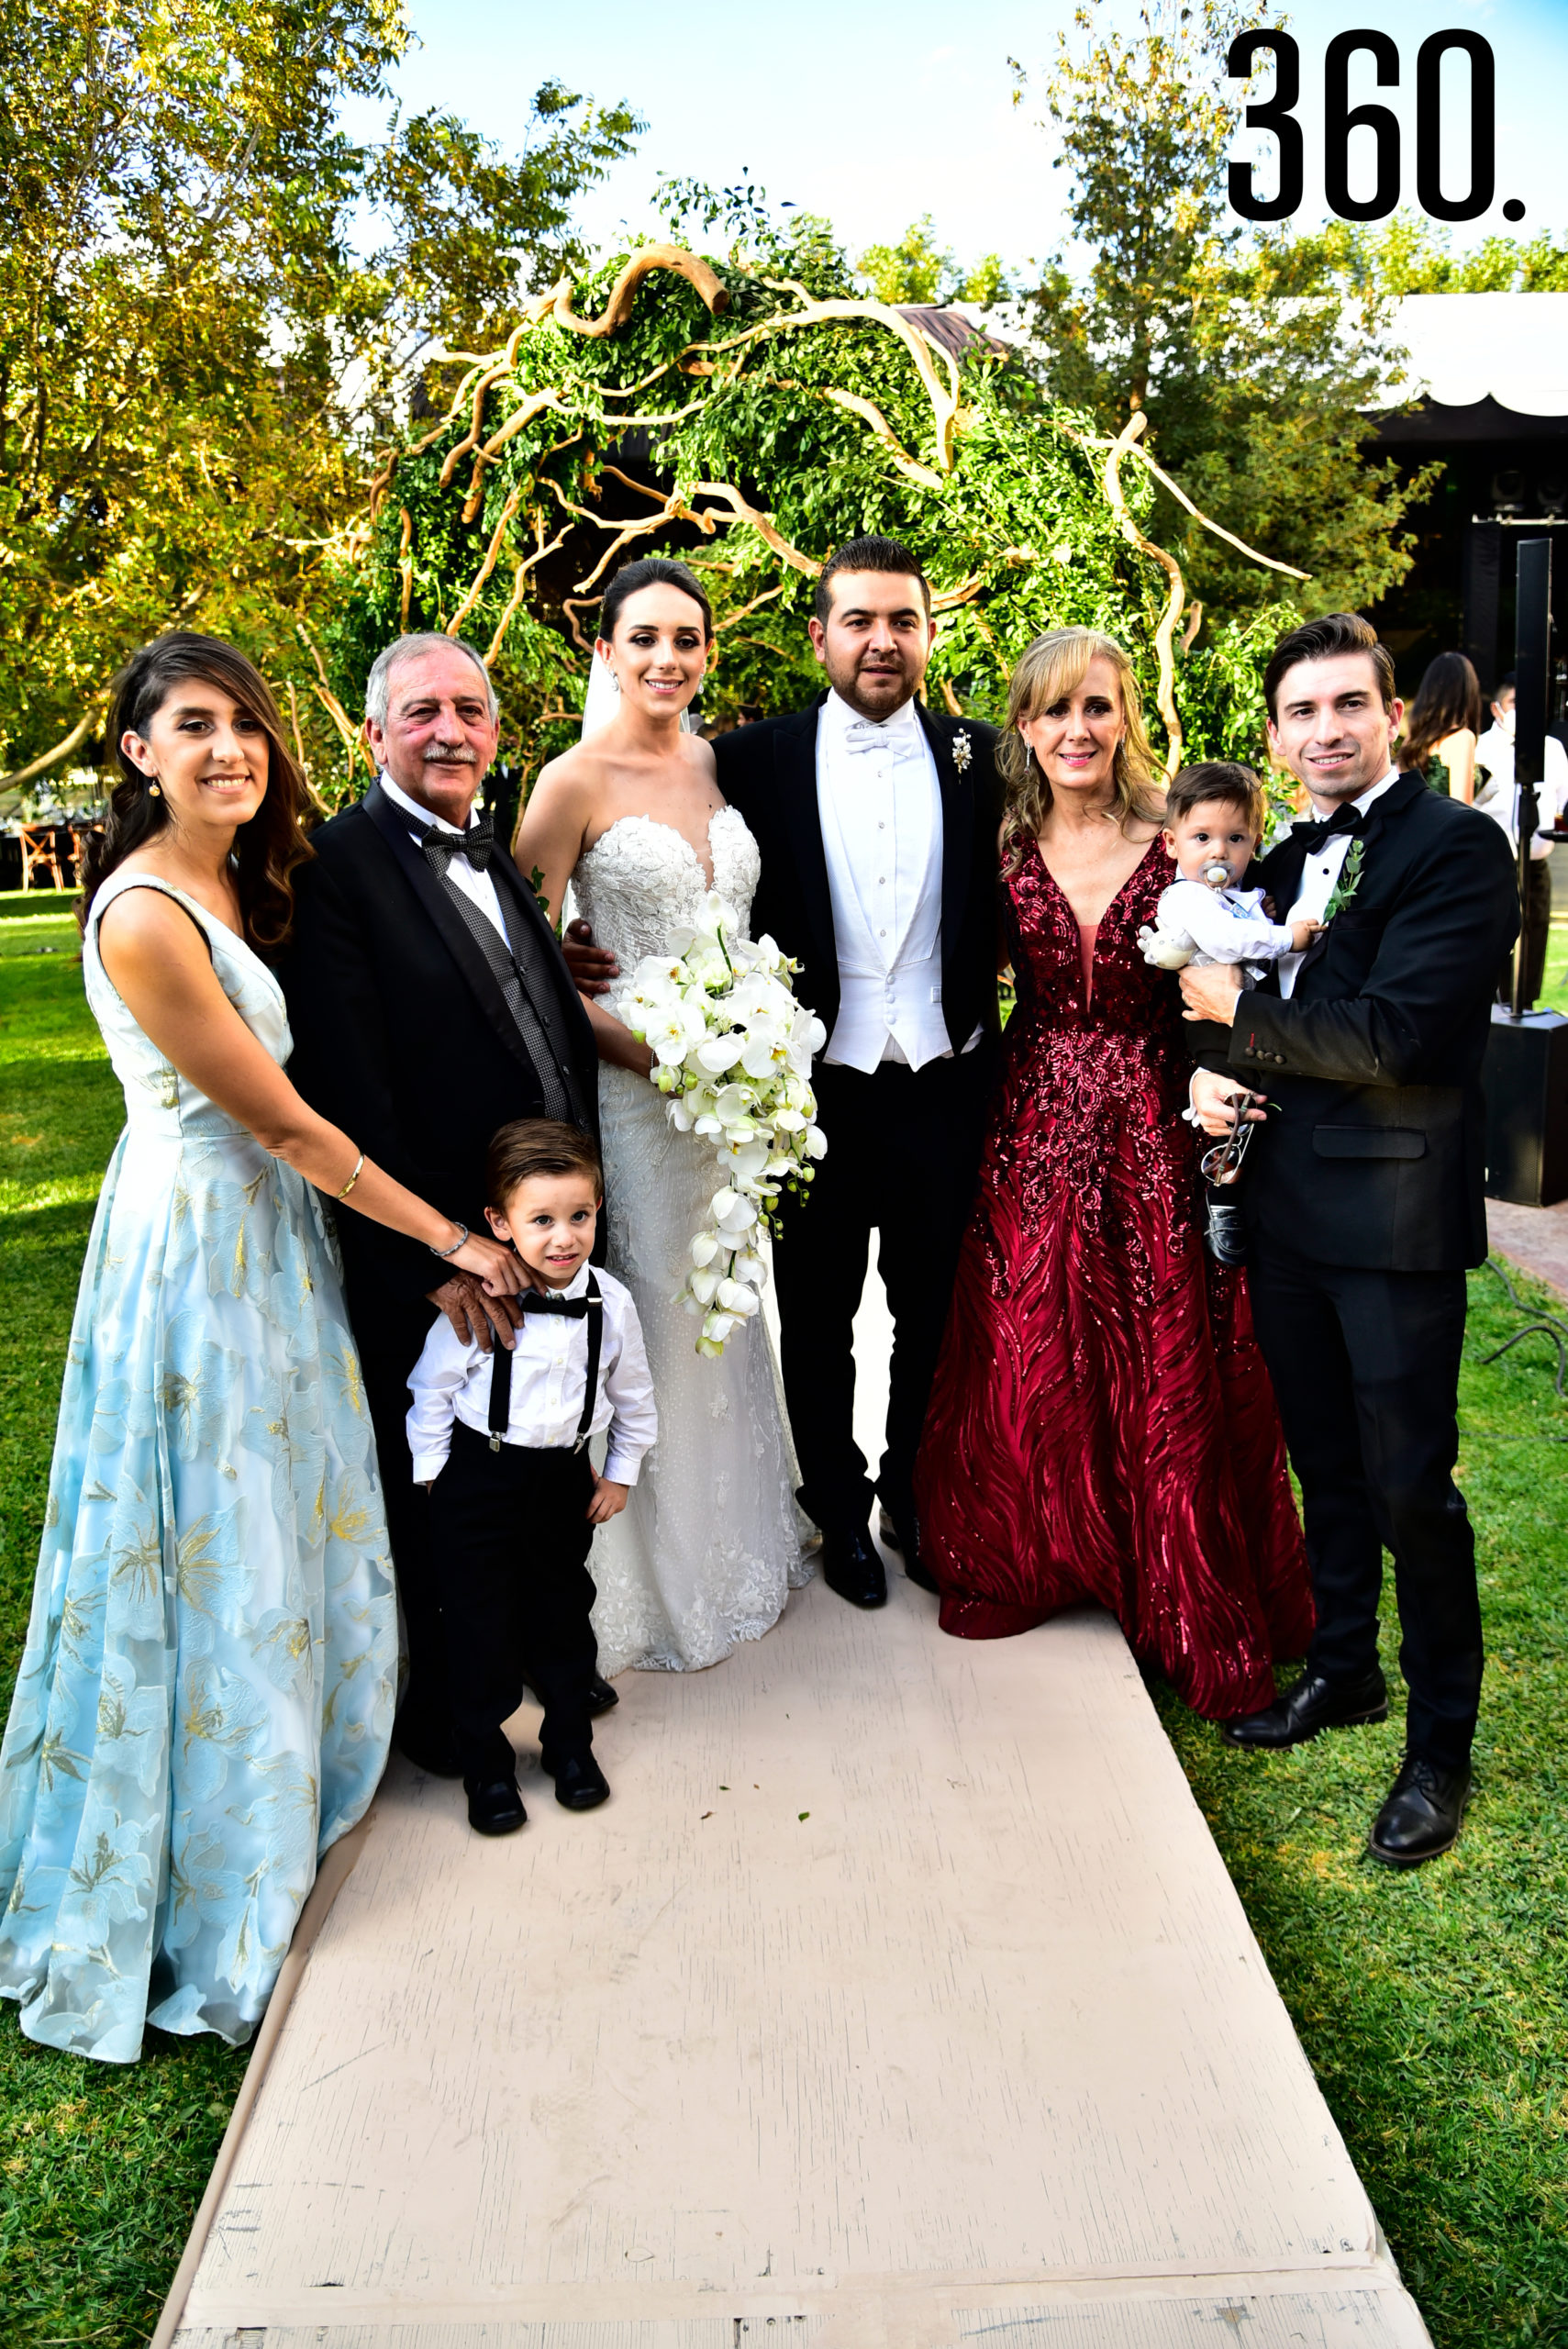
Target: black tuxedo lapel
(795,766)
(1393,804)
(393,825)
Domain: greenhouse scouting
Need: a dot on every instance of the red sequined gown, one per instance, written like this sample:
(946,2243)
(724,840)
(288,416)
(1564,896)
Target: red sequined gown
(1102,1428)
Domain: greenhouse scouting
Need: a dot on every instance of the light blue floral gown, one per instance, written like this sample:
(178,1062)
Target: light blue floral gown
(205,1696)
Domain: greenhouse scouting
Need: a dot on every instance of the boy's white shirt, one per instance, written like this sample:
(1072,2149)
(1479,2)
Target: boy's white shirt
(550,1366)
(1223,925)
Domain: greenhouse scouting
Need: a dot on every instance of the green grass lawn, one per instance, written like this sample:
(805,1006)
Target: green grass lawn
(1431,2005)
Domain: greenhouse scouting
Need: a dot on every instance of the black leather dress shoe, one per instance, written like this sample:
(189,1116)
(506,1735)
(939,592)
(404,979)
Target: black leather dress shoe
(1422,1816)
(434,1752)
(1313,1704)
(580,1784)
(852,1567)
(601,1696)
(494,1806)
(906,1540)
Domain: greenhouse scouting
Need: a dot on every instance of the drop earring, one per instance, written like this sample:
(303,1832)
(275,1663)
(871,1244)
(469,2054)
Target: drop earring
(155,790)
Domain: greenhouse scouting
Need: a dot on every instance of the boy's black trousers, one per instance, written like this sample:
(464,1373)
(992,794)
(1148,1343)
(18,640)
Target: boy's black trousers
(509,1538)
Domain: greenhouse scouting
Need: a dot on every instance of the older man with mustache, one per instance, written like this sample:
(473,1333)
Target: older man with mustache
(429,1005)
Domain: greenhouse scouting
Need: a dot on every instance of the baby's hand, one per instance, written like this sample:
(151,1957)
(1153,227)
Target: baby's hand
(1302,934)
(608,1500)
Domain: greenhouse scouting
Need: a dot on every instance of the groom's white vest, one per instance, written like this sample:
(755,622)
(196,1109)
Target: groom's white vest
(881,813)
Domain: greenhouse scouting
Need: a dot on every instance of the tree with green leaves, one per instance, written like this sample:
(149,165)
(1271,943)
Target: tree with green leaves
(752,409)
(918,270)
(196,362)
(1255,357)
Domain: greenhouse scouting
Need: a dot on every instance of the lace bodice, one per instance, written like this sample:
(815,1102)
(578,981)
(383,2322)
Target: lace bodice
(642,879)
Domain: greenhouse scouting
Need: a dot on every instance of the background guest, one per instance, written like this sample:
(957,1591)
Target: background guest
(1442,727)
(1499,795)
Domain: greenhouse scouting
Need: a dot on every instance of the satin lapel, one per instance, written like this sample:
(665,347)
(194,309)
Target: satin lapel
(958,830)
(391,823)
(1393,802)
(794,765)
(507,879)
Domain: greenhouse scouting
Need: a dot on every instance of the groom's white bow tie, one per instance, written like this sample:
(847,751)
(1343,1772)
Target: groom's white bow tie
(899,735)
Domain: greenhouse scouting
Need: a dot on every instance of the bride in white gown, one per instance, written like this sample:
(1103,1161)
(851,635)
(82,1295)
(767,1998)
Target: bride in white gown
(707,1548)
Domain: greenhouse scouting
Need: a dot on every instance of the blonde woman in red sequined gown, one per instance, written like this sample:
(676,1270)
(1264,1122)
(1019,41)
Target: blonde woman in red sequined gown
(1102,1428)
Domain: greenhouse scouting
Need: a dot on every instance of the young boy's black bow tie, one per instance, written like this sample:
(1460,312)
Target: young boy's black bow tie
(533,1300)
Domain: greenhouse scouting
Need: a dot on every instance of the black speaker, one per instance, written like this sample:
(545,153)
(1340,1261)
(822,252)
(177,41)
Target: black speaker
(1526,1080)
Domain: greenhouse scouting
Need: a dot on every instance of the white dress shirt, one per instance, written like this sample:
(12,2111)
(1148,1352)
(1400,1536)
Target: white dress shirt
(1499,797)
(478,888)
(882,831)
(1320,874)
(550,1366)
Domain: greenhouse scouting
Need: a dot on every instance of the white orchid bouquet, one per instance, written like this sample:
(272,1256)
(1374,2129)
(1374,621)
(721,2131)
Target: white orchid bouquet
(732,1051)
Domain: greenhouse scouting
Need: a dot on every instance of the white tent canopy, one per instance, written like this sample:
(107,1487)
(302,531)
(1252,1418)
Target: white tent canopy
(1464,346)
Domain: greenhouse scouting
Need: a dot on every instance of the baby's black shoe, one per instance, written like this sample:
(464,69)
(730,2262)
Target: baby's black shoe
(580,1784)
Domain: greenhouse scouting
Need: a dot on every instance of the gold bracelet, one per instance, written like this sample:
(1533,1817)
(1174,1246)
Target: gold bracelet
(359,1168)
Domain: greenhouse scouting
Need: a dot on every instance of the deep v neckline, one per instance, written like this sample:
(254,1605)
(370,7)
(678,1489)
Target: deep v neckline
(1087,934)
(708,871)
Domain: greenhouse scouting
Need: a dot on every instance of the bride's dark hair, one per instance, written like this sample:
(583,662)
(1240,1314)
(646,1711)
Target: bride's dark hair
(651,571)
(268,849)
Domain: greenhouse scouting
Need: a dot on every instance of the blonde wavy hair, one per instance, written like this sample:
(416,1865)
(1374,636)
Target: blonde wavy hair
(1054,666)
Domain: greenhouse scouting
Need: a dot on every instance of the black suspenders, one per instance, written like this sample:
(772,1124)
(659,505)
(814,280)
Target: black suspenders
(501,1375)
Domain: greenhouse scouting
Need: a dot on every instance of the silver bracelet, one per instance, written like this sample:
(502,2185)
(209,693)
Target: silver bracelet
(461,1242)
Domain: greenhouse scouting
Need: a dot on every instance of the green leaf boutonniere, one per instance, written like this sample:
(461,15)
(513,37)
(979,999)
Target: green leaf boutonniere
(536,882)
(962,751)
(1349,881)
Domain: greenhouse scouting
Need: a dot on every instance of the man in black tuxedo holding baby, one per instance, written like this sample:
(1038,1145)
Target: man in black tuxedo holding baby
(1364,1202)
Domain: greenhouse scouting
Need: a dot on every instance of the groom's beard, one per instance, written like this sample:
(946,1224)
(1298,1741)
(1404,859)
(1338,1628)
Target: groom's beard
(875,689)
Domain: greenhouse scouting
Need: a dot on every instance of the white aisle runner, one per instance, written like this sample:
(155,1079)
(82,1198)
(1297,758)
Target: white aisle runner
(898,1999)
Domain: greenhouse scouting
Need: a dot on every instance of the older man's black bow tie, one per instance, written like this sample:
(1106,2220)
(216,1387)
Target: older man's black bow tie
(1313,834)
(534,1300)
(476,844)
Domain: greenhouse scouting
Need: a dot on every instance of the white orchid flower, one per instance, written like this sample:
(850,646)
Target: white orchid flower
(816,1143)
(671,1033)
(750,1268)
(742,1156)
(736,1297)
(720,1053)
(704,1283)
(704,1248)
(736,1216)
(767,1051)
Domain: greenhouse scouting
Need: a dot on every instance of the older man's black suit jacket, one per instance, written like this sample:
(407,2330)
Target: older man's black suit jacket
(1377,1158)
(769,772)
(402,1035)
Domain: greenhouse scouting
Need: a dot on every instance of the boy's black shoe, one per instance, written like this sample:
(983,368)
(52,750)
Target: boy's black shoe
(580,1784)
(494,1806)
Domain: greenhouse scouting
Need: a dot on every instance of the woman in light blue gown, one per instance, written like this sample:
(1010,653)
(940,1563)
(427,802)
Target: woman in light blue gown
(205,1696)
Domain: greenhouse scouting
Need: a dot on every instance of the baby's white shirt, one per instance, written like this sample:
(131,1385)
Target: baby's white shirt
(1222,925)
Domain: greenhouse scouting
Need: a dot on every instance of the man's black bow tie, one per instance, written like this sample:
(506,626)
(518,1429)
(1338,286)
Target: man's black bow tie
(476,844)
(575,1309)
(1314,832)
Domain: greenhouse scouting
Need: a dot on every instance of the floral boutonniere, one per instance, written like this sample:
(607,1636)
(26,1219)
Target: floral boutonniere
(1349,881)
(536,882)
(962,751)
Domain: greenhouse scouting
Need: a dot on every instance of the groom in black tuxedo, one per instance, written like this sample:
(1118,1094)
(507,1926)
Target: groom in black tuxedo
(1363,1203)
(429,1005)
(877,822)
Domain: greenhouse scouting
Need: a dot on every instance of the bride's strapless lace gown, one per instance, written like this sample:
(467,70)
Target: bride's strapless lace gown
(707,1550)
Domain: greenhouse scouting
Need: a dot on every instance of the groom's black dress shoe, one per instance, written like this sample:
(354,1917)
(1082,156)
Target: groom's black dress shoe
(852,1567)
(1313,1704)
(601,1696)
(1422,1816)
(579,1781)
(494,1806)
(906,1540)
